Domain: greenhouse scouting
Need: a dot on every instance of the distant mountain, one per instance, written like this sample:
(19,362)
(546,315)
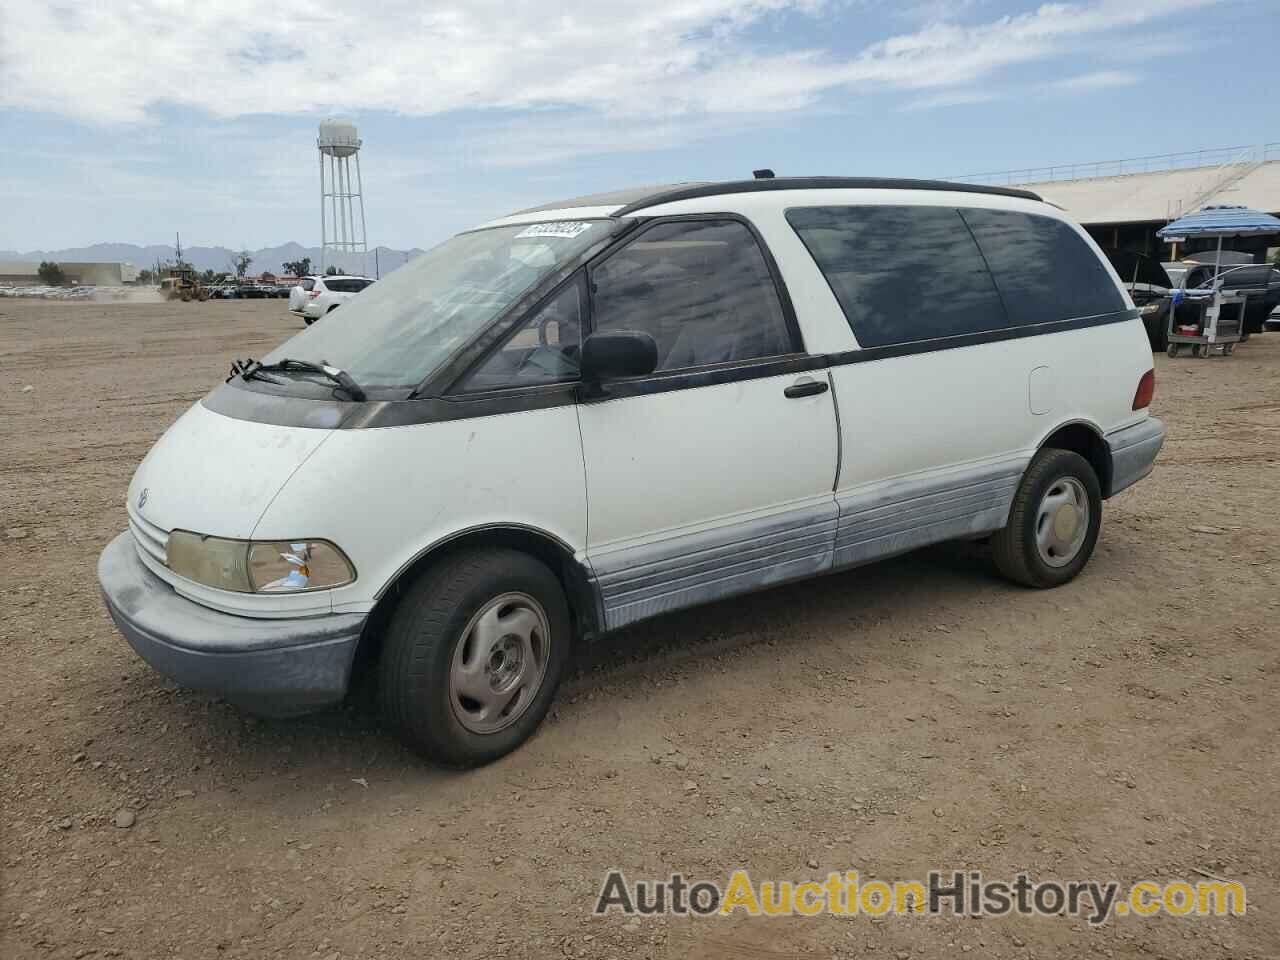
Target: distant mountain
(270,259)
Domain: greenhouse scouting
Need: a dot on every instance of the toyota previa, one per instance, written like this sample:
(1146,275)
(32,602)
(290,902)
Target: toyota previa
(583,415)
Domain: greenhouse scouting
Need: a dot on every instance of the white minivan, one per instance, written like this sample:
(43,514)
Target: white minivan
(606,409)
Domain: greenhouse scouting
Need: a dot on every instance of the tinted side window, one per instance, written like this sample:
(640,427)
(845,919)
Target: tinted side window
(901,274)
(700,288)
(1044,270)
(545,348)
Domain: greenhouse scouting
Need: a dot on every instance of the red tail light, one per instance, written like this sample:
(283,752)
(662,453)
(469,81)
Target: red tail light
(1146,390)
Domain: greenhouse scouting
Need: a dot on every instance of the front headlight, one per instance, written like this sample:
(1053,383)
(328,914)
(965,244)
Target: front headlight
(274,566)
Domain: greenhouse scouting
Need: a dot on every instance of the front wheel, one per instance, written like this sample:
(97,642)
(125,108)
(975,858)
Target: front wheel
(473,655)
(1053,525)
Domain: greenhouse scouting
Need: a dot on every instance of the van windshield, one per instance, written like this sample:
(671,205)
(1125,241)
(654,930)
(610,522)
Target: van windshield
(406,325)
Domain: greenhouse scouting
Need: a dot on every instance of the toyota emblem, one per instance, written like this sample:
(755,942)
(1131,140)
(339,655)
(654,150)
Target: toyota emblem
(142,497)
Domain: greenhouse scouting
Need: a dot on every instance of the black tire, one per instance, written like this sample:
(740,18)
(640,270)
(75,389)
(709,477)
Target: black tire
(333,308)
(424,633)
(308,321)
(1014,548)
(1157,333)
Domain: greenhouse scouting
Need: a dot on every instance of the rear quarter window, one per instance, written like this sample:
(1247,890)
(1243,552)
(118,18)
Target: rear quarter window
(307,284)
(901,274)
(346,286)
(1043,268)
(904,274)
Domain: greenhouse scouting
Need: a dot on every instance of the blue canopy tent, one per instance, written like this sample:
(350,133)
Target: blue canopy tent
(1222,220)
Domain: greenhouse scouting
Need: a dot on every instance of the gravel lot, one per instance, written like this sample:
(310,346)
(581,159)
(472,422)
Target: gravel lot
(915,714)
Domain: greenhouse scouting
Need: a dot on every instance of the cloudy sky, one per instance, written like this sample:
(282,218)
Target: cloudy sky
(128,120)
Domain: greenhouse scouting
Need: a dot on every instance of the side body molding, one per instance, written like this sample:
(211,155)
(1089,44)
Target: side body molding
(853,528)
(895,516)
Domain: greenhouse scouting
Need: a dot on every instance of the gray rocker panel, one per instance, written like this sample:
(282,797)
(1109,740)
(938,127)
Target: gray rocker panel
(655,578)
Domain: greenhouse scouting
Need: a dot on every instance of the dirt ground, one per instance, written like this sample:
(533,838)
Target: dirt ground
(916,714)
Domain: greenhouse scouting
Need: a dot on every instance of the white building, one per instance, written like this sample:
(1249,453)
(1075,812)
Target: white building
(1124,202)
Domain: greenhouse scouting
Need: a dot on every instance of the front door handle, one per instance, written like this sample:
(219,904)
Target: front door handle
(805,388)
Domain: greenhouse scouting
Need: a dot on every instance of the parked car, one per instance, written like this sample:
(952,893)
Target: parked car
(299,292)
(607,409)
(1260,282)
(1149,286)
(328,293)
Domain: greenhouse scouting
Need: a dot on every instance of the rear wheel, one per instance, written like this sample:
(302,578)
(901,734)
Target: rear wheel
(473,655)
(331,309)
(1053,525)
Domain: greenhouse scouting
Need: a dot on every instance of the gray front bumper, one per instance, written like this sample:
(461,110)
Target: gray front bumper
(1133,452)
(271,667)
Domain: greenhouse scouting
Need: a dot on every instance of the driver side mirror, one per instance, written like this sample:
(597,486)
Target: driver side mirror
(626,353)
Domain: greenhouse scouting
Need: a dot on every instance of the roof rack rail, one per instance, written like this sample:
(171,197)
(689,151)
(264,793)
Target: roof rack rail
(816,183)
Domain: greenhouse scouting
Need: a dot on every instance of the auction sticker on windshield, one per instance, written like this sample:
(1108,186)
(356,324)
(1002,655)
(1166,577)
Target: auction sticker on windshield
(567,229)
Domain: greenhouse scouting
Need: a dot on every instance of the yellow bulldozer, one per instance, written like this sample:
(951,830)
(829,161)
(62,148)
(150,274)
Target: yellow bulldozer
(183,284)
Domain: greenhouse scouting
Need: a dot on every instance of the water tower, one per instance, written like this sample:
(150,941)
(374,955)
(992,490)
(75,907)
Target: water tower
(341,196)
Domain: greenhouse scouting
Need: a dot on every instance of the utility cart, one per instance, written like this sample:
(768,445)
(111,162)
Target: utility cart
(1210,317)
(1206,320)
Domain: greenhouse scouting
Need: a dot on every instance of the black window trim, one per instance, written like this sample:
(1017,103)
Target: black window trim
(242,401)
(708,375)
(938,344)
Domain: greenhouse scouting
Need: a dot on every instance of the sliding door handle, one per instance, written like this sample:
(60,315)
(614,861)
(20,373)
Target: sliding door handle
(805,388)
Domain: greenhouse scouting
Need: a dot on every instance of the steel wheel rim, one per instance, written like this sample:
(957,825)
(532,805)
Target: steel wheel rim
(499,663)
(1062,521)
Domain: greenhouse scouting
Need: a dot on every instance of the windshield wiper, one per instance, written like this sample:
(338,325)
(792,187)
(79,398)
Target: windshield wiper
(250,369)
(338,376)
